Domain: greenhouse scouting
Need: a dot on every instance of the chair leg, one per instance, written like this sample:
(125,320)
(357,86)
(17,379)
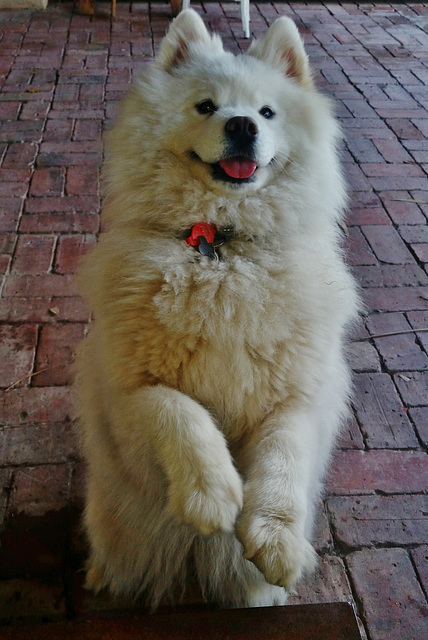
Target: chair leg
(86,7)
(245,16)
(175,7)
(113,8)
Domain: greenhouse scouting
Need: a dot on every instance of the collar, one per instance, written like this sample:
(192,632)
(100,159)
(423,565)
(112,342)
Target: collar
(207,239)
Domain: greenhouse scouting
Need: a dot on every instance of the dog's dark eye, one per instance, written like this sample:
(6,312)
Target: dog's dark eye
(206,106)
(267,113)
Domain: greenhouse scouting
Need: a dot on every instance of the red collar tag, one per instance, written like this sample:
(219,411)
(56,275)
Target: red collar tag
(204,230)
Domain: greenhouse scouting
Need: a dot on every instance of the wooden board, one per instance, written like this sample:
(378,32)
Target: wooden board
(334,621)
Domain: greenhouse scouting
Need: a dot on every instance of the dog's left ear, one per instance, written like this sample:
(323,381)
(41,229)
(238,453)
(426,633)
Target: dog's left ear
(283,48)
(186,37)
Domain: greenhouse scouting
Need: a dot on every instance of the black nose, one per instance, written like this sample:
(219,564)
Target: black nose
(241,127)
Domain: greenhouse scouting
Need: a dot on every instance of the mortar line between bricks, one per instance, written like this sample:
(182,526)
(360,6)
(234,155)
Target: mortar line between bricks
(417,574)
(357,600)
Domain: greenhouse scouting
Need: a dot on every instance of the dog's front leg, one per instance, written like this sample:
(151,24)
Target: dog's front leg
(204,488)
(279,463)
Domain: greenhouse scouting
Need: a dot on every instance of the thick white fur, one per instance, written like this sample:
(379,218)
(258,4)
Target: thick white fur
(211,391)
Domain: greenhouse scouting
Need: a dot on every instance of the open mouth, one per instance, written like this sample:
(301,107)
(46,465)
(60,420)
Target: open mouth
(236,169)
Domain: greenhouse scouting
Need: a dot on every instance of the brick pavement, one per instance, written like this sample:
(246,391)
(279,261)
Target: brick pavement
(62,75)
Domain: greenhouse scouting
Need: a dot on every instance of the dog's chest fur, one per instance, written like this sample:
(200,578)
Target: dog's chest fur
(231,332)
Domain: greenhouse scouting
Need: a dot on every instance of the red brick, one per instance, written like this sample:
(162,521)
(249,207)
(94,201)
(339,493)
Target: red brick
(387,244)
(357,248)
(82,181)
(31,599)
(48,443)
(10,212)
(365,521)
(328,584)
(9,110)
(72,147)
(364,472)
(404,129)
(367,213)
(91,95)
(363,357)
(398,352)
(55,352)
(421,251)
(420,558)
(17,348)
(66,92)
(379,411)
(34,254)
(60,223)
(417,233)
(66,204)
(389,275)
(5,261)
(36,404)
(392,150)
(396,298)
(29,131)
(58,130)
(413,387)
(419,320)
(13,189)
(356,178)
(37,490)
(49,181)
(422,124)
(42,286)
(34,110)
(57,159)
(70,250)
(20,155)
(53,309)
(392,599)
(380,169)
(15,175)
(87,130)
(395,182)
(401,208)
(419,416)
(351,436)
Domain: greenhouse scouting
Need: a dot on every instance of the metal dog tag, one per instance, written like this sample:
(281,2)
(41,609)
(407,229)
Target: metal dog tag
(206,249)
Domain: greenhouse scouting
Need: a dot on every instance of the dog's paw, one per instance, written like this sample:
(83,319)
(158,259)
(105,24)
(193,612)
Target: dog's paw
(209,501)
(278,550)
(95,577)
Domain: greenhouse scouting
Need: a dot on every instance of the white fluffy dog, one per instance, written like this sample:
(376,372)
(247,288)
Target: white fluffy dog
(212,383)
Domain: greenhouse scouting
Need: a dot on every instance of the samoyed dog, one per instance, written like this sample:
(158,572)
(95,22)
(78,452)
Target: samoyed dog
(212,382)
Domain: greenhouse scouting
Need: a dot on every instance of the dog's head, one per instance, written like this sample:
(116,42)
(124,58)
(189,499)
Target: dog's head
(231,120)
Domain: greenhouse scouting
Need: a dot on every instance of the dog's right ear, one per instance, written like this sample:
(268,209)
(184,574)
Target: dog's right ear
(282,48)
(187,36)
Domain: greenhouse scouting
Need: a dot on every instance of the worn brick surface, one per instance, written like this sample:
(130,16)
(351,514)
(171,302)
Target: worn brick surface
(391,596)
(364,521)
(38,490)
(387,471)
(25,600)
(380,413)
(61,77)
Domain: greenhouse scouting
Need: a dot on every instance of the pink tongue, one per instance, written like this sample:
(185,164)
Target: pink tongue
(238,167)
